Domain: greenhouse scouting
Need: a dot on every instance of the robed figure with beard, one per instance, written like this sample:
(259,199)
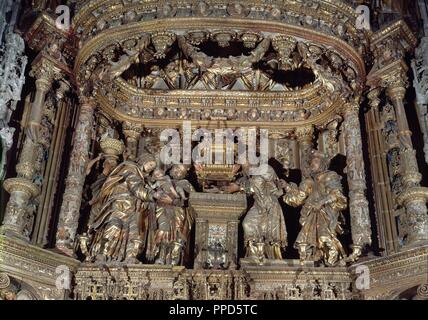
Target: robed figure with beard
(120,213)
(322,199)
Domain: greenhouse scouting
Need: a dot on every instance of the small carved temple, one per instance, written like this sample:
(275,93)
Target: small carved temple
(328,99)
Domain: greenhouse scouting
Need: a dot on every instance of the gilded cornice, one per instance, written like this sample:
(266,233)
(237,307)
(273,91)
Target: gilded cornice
(394,273)
(389,46)
(129,31)
(398,29)
(88,15)
(318,120)
(20,259)
(307,93)
(43,32)
(380,77)
(337,274)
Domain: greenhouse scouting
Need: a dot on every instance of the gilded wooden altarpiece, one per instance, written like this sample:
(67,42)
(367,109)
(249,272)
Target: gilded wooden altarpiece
(127,227)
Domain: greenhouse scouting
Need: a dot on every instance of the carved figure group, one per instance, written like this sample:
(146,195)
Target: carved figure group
(139,213)
(322,200)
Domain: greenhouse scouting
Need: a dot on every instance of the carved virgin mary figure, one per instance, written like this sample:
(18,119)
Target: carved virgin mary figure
(264,225)
(120,212)
(323,200)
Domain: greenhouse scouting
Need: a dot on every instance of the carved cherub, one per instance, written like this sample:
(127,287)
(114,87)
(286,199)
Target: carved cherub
(128,58)
(222,72)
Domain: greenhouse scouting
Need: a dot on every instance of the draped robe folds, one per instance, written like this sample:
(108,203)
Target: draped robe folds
(323,201)
(120,214)
(174,221)
(265,221)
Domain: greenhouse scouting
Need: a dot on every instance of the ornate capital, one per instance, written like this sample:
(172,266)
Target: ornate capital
(373,97)
(396,91)
(352,107)
(87,102)
(64,86)
(304,134)
(21,185)
(131,130)
(45,72)
(43,84)
(396,82)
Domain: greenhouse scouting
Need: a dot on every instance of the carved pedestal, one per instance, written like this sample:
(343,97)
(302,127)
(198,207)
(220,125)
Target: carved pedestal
(217,220)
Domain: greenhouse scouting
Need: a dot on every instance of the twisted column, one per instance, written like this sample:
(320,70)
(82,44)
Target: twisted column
(358,204)
(70,208)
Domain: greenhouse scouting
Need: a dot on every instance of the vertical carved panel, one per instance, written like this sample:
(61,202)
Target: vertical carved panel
(358,204)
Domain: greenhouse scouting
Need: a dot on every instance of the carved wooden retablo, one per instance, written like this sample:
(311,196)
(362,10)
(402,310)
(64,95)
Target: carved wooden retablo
(212,150)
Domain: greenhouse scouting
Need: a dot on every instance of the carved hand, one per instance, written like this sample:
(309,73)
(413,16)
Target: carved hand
(282,184)
(231,188)
(166,200)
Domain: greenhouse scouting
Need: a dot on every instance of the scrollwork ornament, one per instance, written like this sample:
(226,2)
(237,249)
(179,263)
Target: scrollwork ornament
(4,280)
(422,292)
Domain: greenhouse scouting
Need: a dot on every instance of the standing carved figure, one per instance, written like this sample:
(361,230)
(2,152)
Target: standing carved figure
(322,199)
(174,218)
(264,225)
(119,214)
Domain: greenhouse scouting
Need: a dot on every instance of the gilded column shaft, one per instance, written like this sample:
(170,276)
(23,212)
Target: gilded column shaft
(413,197)
(25,168)
(410,170)
(36,113)
(358,204)
(50,182)
(45,73)
(132,134)
(305,138)
(18,215)
(70,208)
(385,214)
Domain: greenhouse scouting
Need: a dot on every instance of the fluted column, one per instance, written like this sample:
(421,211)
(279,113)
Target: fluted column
(413,197)
(70,208)
(305,139)
(358,204)
(52,169)
(384,203)
(19,213)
